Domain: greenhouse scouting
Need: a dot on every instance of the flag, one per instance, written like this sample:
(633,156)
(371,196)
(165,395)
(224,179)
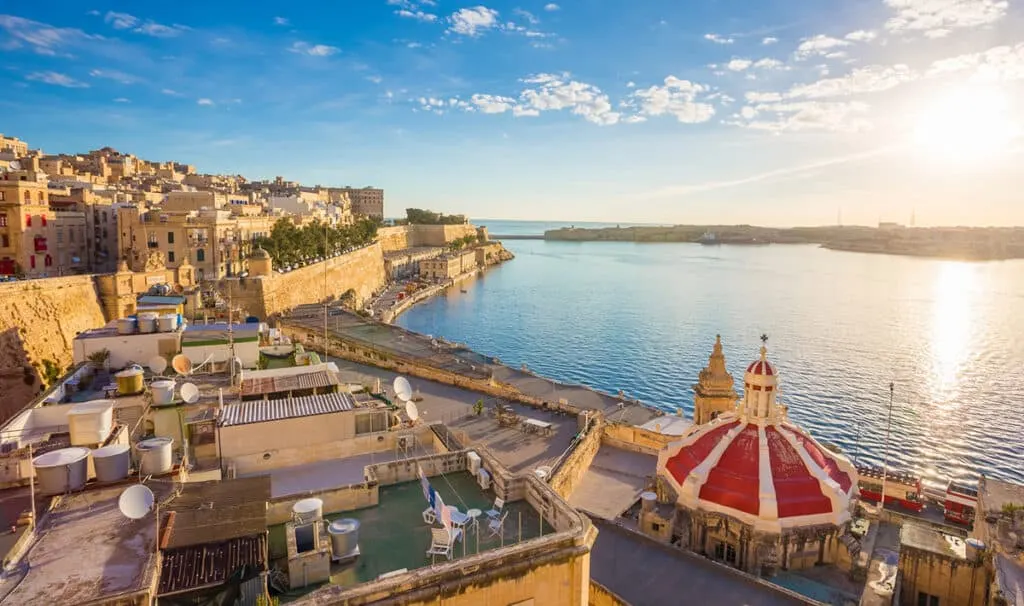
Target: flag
(446,518)
(440,510)
(428,490)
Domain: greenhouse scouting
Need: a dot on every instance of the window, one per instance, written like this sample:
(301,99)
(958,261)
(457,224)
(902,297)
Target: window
(28,197)
(32,261)
(200,255)
(924,599)
(371,422)
(170,256)
(48,261)
(104,216)
(42,198)
(60,236)
(170,237)
(1,196)
(43,218)
(28,220)
(71,235)
(5,241)
(3,217)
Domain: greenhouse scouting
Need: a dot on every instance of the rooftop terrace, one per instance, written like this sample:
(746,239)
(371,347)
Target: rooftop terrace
(393,536)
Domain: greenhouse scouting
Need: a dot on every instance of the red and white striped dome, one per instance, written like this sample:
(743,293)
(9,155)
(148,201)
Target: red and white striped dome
(757,466)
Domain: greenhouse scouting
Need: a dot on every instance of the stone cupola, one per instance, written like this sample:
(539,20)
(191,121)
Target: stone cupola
(713,393)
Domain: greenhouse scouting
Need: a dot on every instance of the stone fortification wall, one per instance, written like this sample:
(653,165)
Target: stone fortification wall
(570,472)
(408,236)
(38,321)
(636,439)
(361,271)
(602,596)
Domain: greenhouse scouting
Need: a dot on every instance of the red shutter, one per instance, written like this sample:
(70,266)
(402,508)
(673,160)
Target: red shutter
(44,220)
(28,220)
(32,261)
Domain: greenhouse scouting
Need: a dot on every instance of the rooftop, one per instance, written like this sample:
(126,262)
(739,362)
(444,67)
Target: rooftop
(86,550)
(214,511)
(262,384)
(393,536)
(647,573)
(927,538)
(190,568)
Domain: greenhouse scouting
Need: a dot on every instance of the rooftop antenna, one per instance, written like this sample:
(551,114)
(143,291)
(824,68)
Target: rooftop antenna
(136,501)
(158,364)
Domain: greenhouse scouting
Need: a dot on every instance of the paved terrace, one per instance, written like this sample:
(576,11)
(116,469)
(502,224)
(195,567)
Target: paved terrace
(393,535)
(437,354)
(516,450)
(613,482)
(645,573)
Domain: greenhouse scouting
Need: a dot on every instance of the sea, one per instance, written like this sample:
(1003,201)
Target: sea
(948,336)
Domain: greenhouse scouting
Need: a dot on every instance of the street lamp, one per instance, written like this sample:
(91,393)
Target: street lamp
(885,461)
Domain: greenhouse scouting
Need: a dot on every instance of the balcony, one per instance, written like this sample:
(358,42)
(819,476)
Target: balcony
(153,244)
(40,244)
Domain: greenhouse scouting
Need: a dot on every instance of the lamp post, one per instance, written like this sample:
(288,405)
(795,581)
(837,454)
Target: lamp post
(885,461)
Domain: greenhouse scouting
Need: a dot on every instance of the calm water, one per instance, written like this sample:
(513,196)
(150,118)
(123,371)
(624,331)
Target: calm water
(643,317)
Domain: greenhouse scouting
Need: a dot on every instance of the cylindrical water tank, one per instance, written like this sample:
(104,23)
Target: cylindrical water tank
(155,456)
(61,471)
(129,381)
(344,536)
(127,326)
(112,463)
(308,510)
(648,500)
(90,423)
(163,391)
(147,322)
(168,322)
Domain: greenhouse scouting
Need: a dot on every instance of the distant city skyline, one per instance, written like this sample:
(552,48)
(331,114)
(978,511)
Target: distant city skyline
(599,111)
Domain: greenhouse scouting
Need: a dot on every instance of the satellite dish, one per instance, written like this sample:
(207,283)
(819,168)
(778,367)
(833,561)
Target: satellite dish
(182,365)
(158,365)
(136,501)
(402,389)
(189,393)
(15,165)
(411,410)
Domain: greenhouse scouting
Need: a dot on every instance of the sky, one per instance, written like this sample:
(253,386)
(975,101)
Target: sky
(804,112)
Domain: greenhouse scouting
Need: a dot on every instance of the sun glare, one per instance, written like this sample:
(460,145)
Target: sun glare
(966,126)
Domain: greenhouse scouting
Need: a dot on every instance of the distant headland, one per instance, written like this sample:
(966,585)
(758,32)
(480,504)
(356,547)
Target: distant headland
(966,243)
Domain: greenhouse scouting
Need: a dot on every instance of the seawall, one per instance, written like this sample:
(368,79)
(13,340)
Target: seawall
(408,236)
(38,321)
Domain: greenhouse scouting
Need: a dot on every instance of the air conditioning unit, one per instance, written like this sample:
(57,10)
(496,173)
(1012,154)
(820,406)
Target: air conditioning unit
(474,462)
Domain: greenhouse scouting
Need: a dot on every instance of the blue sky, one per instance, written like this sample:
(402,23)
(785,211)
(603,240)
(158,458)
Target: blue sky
(728,111)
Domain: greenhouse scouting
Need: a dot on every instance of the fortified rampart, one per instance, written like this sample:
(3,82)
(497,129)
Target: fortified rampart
(360,271)
(409,236)
(38,321)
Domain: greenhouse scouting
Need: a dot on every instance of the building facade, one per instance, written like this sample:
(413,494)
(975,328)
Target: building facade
(26,228)
(366,201)
(447,267)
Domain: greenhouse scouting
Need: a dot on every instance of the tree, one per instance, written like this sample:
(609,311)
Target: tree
(288,244)
(418,216)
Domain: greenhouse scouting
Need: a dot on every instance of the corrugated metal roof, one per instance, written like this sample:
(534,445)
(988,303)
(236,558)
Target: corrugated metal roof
(161,300)
(202,566)
(308,380)
(262,411)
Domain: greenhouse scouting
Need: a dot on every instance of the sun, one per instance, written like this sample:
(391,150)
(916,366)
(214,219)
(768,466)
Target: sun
(966,126)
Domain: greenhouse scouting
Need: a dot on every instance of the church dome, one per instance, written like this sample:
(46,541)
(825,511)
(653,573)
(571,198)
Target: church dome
(259,253)
(757,466)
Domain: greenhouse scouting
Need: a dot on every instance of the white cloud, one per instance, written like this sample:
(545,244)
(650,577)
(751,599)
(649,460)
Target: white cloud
(937,18)
(769,40)
(551,7)
(472,21)
(313,50)
(676,98)
(558,92)
(861,35)
(738,65)
(375,79)
(110,74)
(493,104)
(171,92)
(281,21)
(122,100)
(527,15)
(631,84)
(769,63)
(756,97)
(149,27)
(998,64)
(417,15)
(718,39)
(870,79)
(42,38)
(56,79)
(204,101)
(820,45)
(805,116)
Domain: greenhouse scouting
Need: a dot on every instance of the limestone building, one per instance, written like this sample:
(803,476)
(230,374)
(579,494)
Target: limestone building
(713,394)
(366,201)
(750,488)
(26,227)
(448,266)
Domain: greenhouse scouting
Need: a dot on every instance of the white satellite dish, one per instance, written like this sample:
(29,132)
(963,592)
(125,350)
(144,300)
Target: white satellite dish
(189,393)
(158,365)
(15,165)
(136,501)
(411,410)
(182,365)
(403,389)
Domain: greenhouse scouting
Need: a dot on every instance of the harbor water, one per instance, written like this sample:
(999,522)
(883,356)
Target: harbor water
(642,318)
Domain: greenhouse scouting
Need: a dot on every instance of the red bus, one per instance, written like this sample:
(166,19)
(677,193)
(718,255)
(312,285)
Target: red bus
(961,503)
(901,488)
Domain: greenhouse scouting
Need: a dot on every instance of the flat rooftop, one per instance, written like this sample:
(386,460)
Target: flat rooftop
(86,550)
(645,573)
(393,535)
(321,475)
(932,540)
(613,482)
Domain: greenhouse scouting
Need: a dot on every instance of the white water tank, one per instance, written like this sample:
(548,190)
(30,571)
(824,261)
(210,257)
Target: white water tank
(61,471)
(307,511)
(127,326)
(167,322)
(147,322)
(155,456)
(344,536)
(91,422)
(163,391)
(112,463)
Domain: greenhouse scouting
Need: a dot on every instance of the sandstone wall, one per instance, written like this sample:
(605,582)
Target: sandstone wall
(636,439)
(38,321)
(570,472)
(407,236)
(602,596)
(393,238)
(361,271)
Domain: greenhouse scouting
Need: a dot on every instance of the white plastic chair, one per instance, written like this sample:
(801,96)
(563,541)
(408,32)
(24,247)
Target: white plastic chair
(497,525)
(495,511)
(459,519)
(441,542)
